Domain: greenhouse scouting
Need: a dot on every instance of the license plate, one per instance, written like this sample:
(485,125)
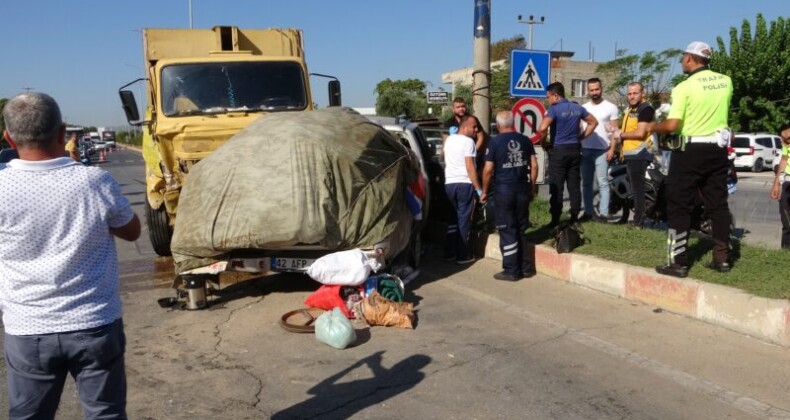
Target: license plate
(291,264)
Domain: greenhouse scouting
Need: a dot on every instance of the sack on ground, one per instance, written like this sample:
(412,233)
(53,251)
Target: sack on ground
(349,268)
(567,237)
(378,310)
(334,329)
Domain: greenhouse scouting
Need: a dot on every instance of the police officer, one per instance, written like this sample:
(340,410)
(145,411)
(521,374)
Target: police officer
(700,105)
(781,187)
(511,157)
(565,154)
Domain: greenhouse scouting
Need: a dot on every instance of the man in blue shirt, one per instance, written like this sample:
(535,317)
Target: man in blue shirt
(565,153)
(511,157)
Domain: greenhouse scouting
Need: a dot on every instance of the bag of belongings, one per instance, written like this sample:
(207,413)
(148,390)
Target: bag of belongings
(567,237)
(378,310)
(334,329)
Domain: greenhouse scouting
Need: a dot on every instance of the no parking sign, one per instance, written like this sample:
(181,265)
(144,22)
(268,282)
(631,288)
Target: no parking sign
(527,116)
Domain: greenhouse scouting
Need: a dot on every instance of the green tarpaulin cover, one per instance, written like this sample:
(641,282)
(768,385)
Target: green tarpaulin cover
(328,177)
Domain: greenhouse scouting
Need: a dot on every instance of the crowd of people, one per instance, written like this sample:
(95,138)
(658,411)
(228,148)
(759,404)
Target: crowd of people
(59,291)
(581,140)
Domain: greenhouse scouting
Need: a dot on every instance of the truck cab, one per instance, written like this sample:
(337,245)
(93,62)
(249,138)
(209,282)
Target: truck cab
(202,87)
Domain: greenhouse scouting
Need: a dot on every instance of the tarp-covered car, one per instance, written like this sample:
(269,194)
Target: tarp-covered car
(291,187)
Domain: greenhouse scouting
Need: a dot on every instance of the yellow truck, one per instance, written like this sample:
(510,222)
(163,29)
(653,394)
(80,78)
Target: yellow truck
(202,87)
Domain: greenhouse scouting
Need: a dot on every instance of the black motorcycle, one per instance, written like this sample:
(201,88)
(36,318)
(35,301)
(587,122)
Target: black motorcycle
(621,201)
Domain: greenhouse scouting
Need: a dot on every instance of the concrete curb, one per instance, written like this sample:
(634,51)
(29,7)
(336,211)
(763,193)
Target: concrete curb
(734,309)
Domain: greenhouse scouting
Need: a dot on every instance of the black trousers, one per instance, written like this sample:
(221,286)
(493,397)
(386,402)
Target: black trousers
(784,214)
(636,177)
(699,171)
(564,168)
(512,219)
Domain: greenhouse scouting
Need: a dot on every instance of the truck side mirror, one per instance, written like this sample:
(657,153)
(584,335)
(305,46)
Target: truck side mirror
(334,93)
(130,107)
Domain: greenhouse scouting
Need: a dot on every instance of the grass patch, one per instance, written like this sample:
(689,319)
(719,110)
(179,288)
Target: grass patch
(757,270)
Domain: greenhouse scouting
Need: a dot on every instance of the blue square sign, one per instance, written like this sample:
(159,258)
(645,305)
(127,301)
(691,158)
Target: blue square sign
(530,72)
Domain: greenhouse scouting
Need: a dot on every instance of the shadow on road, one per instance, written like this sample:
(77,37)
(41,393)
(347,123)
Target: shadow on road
(342,400)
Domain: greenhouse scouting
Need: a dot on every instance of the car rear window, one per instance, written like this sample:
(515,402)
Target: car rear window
(740,142)
(765,142)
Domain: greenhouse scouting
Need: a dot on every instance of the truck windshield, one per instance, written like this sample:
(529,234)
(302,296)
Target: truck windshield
(213,88)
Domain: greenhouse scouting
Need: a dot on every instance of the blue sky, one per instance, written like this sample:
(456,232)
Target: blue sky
(81,51)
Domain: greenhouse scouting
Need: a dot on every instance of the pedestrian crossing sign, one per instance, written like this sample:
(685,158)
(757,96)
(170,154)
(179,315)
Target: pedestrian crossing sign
(530,72)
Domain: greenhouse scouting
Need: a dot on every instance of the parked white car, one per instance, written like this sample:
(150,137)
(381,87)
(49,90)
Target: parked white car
(756,151)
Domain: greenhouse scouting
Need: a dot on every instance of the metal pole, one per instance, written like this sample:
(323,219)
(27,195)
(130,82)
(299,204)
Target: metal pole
(190,14)
(531,22)
(530,34)
(481,75)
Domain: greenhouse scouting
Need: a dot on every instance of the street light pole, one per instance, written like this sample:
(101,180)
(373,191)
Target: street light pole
(531,22)
(190,14)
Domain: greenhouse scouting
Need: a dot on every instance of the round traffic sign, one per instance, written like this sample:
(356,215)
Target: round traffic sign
(527,116)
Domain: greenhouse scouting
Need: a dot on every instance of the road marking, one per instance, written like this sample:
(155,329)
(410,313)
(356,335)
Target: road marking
(746,404)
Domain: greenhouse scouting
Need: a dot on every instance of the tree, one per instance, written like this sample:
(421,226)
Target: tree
(760,70)
(500,76)
(501,49)
(401,97)
(654,70)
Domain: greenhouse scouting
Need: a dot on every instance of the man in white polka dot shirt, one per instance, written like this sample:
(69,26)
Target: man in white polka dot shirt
(59,270)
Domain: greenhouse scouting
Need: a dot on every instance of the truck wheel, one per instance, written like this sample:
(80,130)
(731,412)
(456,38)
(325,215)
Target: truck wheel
(159,231)
(758,165)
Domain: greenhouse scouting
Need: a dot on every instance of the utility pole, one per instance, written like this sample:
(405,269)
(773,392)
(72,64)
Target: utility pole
(531,22)
(481,74)
(27,89)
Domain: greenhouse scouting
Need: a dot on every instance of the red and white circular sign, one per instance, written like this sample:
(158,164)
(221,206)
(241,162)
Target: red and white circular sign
(527,116)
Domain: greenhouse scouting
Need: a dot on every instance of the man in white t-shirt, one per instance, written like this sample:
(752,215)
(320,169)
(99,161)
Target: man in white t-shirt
(597,151)
(462,187)
(59,270)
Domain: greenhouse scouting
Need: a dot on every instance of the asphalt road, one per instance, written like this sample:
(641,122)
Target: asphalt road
(482,349)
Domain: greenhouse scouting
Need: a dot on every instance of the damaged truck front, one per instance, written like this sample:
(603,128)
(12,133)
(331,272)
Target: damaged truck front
(202,87)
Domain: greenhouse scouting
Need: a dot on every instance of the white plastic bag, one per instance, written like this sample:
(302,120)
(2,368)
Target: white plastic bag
(334,329)
(346,268)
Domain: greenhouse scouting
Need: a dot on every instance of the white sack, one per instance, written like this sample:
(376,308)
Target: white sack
(345,268)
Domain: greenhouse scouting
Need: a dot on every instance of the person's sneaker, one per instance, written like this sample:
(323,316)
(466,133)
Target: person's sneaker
(585,218)
(634,225)
(721,267)
(673,270)
(506,276)
(450,258)
(465,261)
(600,219)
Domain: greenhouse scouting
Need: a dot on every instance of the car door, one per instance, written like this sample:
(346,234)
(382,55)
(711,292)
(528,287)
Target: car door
(766,151)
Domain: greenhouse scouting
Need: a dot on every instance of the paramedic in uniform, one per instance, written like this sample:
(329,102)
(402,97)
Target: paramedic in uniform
(700,105)
(511,157)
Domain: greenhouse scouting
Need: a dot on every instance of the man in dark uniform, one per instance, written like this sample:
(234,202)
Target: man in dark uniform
(700,107)
(511,158)
(565,153)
